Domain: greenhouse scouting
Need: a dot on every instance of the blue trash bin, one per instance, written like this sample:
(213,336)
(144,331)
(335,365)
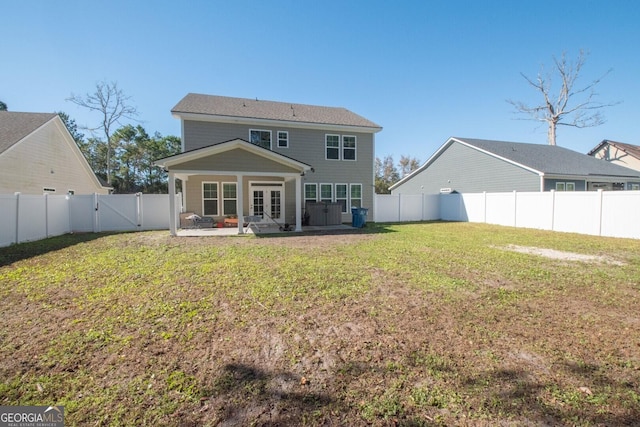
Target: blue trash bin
(355,217)
(363,216)
(358,217)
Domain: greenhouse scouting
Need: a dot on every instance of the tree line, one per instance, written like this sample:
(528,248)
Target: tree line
(131,152)
(388,173)
(123,158)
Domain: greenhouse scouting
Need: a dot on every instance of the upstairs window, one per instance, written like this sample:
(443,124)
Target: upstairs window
(283,139)
(261,138)
(332,144)
(348,147)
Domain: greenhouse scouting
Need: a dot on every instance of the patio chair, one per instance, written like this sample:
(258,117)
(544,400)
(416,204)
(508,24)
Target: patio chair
(200,221)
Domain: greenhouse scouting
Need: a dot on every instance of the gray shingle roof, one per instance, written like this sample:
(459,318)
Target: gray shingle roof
(14,126)
(269,110)
(551,159)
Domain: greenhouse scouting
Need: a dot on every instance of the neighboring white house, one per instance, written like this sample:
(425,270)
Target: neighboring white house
(39,156)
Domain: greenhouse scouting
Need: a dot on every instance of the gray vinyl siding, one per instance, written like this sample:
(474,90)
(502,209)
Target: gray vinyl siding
(466,170)
(236,161)
(193,193)
(305,145)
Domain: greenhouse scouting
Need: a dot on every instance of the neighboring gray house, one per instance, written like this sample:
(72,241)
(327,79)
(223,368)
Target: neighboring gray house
(467,165)
(39,156)
(252,157)
(626,155)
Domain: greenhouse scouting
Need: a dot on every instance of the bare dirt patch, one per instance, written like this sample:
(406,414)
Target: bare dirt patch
(562,255)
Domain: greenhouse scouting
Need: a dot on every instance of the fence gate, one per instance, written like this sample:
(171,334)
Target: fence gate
(118,212)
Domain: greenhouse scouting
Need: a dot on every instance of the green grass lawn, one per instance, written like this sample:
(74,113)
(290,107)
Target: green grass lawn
(413,325)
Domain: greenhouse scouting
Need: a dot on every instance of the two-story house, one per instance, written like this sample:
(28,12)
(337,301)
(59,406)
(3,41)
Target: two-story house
(253,157)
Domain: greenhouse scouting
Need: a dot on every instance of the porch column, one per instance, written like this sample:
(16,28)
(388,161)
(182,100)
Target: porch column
(298,203)
(240,203)
(172,204)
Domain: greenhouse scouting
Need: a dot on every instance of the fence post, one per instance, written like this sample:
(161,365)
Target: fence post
(69,196)
(96,214)
(139,211)
(46,214)
(17,235)
(484,200)
(600,195)
(553,209)
(515,208)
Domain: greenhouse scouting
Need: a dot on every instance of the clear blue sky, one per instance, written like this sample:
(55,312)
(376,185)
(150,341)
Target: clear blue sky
(423,70)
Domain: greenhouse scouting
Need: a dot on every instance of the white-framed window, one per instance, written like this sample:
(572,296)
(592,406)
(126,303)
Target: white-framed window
(355,195)
(332,147)
(283,139)
(565,186)
(229,198)
(310,193)
(210,198)
(342,196)
(326,193)
(260,137)
(348,147)
(635,187)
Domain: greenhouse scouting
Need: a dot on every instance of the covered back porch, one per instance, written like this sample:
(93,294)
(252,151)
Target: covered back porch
(236,180)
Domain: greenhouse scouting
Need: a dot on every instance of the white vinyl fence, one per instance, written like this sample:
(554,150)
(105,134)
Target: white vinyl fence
(33,217)
(600,213)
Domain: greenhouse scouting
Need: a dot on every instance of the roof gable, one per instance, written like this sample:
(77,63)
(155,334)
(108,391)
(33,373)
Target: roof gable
(228,108)
(190,158)
(542,159)
(15,126)
(632,150)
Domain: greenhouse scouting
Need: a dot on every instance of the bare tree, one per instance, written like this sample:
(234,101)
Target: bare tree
(571,106)
(386,174)
(407,165)
(113,105)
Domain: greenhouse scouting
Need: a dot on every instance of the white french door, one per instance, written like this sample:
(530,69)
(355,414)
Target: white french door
(267,200)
